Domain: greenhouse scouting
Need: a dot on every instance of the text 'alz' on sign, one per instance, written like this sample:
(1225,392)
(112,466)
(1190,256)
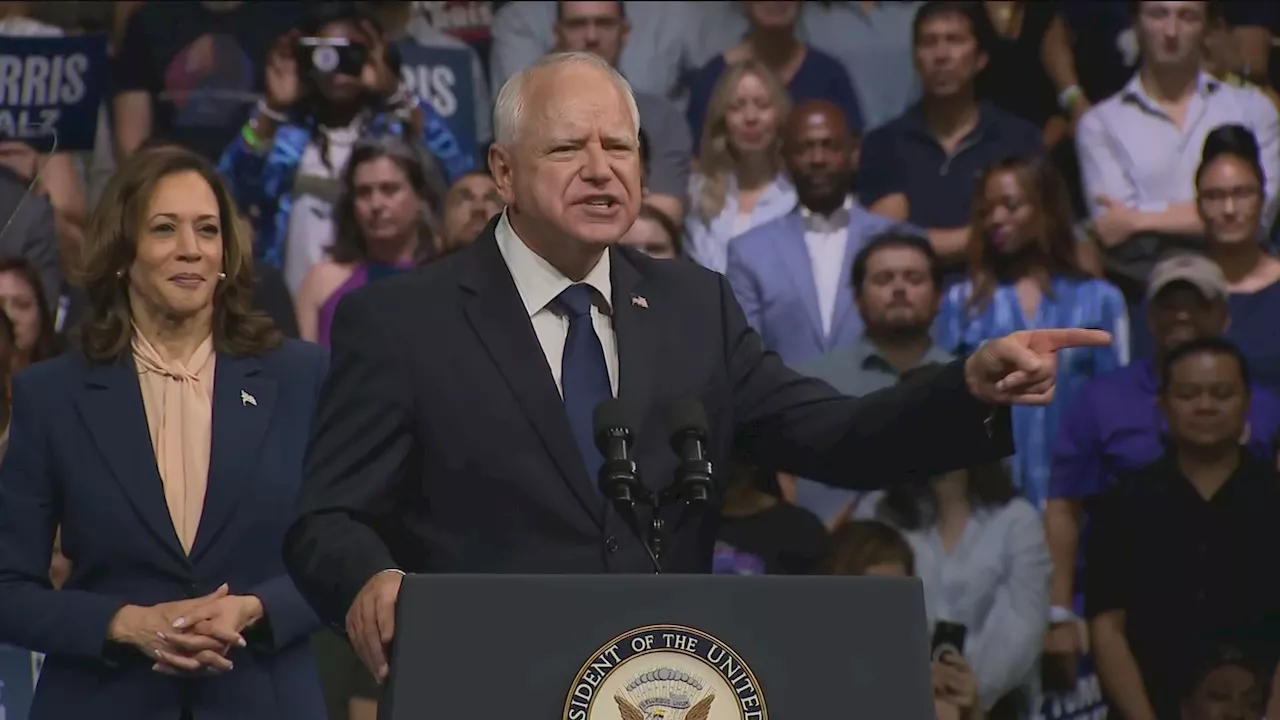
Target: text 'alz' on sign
(51,86)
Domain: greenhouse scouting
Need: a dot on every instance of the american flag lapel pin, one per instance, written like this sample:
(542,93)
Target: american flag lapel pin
(640,302)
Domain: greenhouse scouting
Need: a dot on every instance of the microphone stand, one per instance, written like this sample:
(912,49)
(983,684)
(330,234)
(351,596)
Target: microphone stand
(620,481)
(691,487)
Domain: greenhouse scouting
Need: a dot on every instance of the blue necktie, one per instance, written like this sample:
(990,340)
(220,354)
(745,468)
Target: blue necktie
(583,373)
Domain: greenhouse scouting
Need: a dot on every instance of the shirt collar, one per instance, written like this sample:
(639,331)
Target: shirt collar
(1206,85)
(988,127)
(868,356)
(837,220)
(537,280)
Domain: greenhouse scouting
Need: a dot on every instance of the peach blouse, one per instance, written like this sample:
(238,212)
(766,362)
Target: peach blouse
(179,405)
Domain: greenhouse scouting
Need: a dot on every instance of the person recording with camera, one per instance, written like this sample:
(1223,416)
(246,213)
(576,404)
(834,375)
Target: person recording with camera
(329,82)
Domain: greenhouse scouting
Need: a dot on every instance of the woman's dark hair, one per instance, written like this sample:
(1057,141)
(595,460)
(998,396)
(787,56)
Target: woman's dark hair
(319,15)
(349,244)
(155,142)
(1047,192)
(858,545)
(1235,141)
(747,483)
(49,343)
(910,505)
(109,249)
(644,152)
(7,332)
(668,226)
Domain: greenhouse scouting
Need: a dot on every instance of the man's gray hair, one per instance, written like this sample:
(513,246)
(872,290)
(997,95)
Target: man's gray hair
(508,111)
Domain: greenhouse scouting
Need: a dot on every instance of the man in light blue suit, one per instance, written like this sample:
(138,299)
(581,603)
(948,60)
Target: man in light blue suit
(790,275)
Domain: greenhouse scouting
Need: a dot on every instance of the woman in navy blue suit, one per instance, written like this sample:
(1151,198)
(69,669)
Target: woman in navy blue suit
(169,450)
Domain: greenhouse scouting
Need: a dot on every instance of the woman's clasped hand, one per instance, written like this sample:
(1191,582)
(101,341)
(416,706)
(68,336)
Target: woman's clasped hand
(188,636)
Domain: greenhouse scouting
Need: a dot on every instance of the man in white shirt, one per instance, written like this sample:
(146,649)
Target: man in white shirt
(460,439)
(791,274)
(1139,149)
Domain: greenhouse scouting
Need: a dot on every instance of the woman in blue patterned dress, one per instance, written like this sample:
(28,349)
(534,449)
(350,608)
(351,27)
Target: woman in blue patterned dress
(1024,274)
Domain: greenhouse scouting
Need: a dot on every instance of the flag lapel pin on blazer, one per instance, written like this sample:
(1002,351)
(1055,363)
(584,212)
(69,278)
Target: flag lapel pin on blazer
(640,302)
(246,399)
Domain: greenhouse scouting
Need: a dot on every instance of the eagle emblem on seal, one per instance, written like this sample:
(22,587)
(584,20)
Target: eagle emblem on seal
(663,693)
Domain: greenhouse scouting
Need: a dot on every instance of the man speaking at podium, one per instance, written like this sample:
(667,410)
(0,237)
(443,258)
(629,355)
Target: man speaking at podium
(454,432)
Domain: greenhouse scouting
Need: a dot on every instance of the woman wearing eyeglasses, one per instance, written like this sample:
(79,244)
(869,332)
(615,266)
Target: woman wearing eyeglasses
(1229,196)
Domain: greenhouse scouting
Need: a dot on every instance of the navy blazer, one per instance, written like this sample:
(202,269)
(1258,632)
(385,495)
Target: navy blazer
(441,443)
(80,455)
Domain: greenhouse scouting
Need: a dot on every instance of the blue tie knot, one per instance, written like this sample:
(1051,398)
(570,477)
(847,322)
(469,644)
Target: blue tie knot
(576,300)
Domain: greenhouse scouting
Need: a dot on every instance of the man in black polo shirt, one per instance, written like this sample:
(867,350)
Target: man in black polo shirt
(922,166)
(1183,551)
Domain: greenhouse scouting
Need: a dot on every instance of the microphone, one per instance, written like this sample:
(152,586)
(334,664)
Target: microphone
(618,475)
(688,422)
(619,479)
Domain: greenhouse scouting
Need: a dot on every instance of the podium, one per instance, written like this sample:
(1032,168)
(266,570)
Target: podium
(644,647)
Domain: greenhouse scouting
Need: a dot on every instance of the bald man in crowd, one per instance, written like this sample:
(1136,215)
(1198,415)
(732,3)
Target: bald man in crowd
(791,275)
(460,440)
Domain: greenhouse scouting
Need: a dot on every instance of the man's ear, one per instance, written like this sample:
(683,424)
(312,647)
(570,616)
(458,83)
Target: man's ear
(500,167)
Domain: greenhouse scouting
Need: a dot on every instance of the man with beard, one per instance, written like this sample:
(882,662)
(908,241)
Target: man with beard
(789,273)
(896,284)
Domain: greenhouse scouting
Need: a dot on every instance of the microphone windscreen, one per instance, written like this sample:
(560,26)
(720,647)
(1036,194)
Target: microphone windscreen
(687,416)
(607,416)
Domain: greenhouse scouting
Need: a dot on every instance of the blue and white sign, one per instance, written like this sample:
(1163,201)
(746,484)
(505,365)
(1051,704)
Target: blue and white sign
(443,77)
(52,88)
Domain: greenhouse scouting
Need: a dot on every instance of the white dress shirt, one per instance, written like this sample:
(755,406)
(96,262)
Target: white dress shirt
(826,238)
(539,284)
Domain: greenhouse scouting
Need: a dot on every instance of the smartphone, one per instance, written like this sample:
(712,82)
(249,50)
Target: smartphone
(332,56)
(948,637)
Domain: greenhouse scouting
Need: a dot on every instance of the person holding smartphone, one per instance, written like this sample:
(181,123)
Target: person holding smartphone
(955,687)
(981,554)
(871,547)
(329,82)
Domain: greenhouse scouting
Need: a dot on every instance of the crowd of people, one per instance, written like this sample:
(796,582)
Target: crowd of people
(884,186)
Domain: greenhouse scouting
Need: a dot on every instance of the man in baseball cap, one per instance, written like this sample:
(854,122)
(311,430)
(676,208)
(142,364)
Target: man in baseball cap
(1112,427)
(1186,299)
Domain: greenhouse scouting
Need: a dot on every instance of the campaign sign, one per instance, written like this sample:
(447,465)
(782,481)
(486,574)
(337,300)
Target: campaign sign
(52,88)
(442,76)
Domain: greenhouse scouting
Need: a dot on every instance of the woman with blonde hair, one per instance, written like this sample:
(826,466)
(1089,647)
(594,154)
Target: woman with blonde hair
(169,449)
(741,181)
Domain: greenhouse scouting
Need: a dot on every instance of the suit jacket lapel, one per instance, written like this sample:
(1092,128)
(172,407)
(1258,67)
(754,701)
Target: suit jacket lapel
(110,404)
(637,328)
(795,258)
(243,400)
(844,292)
(494,308)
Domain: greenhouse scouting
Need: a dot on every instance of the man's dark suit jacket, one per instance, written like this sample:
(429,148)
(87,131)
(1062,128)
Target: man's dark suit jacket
(441,443)
(81,455)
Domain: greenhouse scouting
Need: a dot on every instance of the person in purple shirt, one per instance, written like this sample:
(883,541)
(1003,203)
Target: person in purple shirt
(1114,426)
(808,73)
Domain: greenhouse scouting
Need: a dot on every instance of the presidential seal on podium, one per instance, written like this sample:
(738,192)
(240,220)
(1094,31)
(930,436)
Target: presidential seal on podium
(665,672)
